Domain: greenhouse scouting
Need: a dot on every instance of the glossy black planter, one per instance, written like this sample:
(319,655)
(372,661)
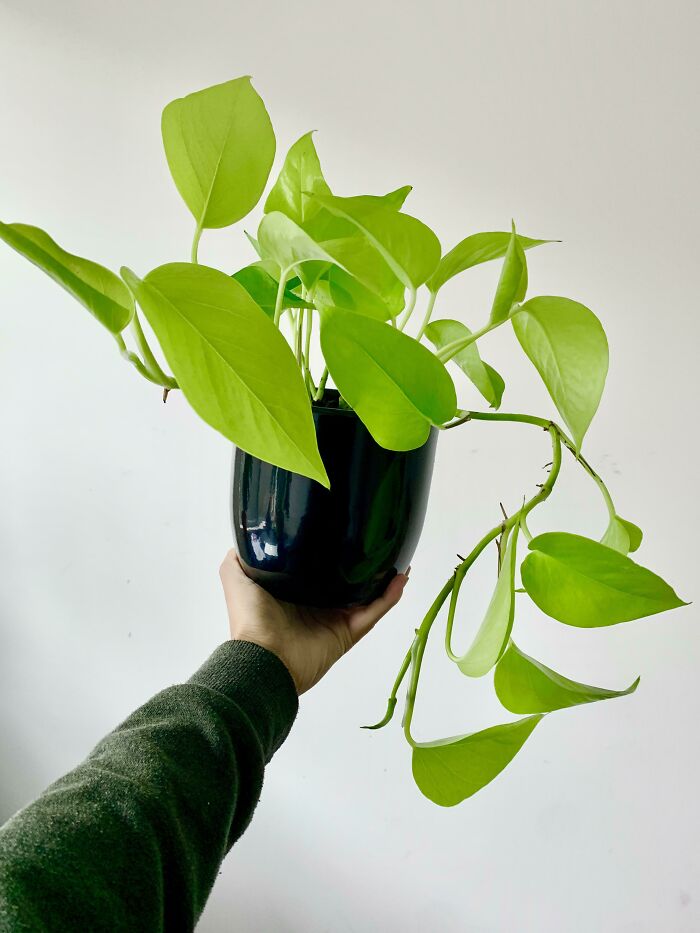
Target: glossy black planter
(338,547)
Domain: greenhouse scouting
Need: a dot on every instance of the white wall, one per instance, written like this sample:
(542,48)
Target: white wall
(579,120)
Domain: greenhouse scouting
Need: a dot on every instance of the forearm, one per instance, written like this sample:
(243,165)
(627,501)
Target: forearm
(133,838)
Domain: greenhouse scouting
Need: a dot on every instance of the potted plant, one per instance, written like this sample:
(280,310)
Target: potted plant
(330,485)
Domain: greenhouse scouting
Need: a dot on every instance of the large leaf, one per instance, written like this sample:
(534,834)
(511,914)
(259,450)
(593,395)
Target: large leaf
(524,685)
(512,284)
(357,255)
(220,145)
(262,288)
(451,770)
(102,292)
(285,242)
(492,638)
(396,386)
(328,226)
(584,583)
(622,536)
(338,289)
(568,347)
(233,365)
(484,377)
(410,249)
(301,174)
(472,251)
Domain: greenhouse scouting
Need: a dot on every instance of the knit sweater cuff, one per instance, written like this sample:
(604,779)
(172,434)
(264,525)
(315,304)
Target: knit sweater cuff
(258,683)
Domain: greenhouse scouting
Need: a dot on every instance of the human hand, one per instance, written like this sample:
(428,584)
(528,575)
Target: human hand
(308,641)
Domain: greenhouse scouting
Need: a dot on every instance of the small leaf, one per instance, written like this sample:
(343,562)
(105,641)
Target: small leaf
(484,377)
(301,173)
(567,344)
(360,259)
(285,242)
(341,290)
(451,770)
(584,583)
(492,638)
(524,685)
(231,362)
(396,386)
(472,251)
(262,288)
(220,145)
(512,283)
(102,292)
(622,536)
(410,249)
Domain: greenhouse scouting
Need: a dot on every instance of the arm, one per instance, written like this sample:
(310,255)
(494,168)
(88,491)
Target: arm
(133,838)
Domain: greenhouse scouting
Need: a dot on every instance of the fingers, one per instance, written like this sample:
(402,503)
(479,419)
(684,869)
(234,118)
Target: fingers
(364,619)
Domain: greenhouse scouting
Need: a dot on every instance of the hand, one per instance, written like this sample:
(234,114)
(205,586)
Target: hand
(308,641)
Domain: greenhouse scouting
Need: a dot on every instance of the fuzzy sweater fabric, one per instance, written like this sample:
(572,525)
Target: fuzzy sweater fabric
(132,839)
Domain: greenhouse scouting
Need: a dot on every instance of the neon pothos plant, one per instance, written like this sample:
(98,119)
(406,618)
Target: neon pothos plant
(350,269)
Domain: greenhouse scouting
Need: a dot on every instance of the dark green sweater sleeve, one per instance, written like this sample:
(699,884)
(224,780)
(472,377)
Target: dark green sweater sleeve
(133,838)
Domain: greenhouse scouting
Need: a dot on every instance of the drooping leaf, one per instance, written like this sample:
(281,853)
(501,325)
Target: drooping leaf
(512,284)
(301,174)
(622,536)
(338,289)
(584,583)
(262,288)
(524,685)
(102,292)
(231,362)
(492,638)
(397,387)
(285,242)
(484,377)
(451,770)
(410,249)
(567,345)
(472,251)
(220,146)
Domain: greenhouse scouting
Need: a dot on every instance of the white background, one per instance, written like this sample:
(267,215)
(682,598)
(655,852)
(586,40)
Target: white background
(577,119)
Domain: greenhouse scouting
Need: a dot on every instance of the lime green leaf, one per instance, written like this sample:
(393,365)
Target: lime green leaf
(341,290)
(102,292)
(472,251)
(484,377)
(396,386)
(262,288)
(567,344)
(492,638)
(622,536)
(512,283)
(285,242)
(231,362)
(361,260)
(524,685)
(584,583)
(301,174)
(410,249)
(451,770)
(325,226)
(220,145)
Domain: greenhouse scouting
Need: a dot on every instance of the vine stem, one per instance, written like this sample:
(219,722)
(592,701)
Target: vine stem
(195,244)
(410,308)
(321,385)
(281,285)
(428,315)
(150,362)
(135,360)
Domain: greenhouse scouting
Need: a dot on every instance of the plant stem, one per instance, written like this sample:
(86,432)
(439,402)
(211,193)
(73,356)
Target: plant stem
(149,359)
(195,244)
(321,385)
(299,333)
(428,314)
(391,702)
(135,360)
(410,307)
(452,349)
(307,352)
(280,296)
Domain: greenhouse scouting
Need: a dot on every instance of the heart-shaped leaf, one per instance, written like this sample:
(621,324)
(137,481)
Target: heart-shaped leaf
(622,536)
(492,638)
(231,362)
(567,344)
(472,251)
(262,288)
(301,174)
(102,292)
(451,770)
(220,146)
(512,284)
(397,387)
(326,226)
(584,583)
(484,377)
(524,685)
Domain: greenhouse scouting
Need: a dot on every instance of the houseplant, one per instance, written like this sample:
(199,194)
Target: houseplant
(349,271)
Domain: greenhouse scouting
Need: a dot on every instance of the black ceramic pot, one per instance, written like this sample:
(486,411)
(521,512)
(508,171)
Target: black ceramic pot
(338,547)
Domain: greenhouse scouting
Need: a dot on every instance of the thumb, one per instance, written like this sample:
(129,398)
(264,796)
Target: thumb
(363,620)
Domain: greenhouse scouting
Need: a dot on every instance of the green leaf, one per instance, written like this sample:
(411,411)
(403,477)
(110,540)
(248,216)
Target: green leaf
(220,145)
(451,770)
(396,386)
(492,638)
(524,685)
(328,226)
(102,292)
(622,536)
(361,260)
(567,344)
(301,174)
(341,290)
(233,365)
(512,284)
(584,583)
(410,249)
(262,288)
(472,251)
(484,377)
(285,242)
